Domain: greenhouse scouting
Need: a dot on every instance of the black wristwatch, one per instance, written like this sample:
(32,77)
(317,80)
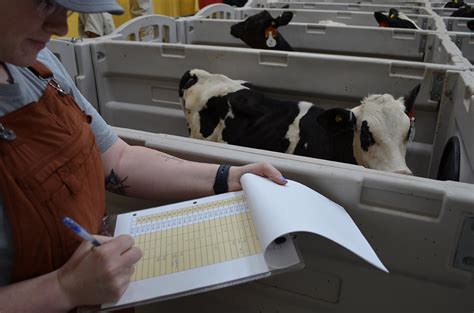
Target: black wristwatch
(222,176)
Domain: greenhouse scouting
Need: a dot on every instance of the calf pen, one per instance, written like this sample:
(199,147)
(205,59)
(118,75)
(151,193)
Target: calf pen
(363,7)
(139,89)
(420,227)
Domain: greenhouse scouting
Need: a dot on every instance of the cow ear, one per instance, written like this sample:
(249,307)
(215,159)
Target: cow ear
(187,80)
(237,30)
(246,102)
(381,18)
(336,119)
(410,98)
(284,19)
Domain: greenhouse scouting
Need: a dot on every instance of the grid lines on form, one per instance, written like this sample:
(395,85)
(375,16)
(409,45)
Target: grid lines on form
(194,236)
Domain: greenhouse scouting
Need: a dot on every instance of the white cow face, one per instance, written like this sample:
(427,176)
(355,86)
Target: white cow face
(381,134)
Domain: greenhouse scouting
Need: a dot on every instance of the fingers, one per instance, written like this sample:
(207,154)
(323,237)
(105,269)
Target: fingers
(266,170)
(262,169)
(102,239)
(270,172)
(133,255)
(118,244)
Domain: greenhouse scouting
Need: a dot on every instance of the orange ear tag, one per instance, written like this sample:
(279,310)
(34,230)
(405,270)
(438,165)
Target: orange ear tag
(270,35)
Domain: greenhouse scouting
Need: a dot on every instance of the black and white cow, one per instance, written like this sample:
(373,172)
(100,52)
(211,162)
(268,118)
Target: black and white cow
(260,31)
(465,11)
(394,19)
(373,134)
(455,4)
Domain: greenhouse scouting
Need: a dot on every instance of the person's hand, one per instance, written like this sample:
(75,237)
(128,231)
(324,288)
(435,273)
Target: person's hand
(100,274)
(262,169)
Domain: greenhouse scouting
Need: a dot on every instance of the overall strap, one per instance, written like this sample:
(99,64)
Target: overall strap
(40,70)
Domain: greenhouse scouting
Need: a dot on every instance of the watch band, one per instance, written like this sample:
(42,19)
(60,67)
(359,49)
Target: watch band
(222,175)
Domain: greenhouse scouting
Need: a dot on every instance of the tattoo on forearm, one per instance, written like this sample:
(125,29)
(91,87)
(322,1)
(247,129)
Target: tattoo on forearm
(114,184)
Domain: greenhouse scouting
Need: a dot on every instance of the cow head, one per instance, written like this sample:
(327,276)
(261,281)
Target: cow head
(260,31)
(382,131)
(455,4)
(394,19)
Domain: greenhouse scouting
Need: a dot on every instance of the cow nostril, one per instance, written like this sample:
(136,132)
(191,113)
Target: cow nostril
(404,172)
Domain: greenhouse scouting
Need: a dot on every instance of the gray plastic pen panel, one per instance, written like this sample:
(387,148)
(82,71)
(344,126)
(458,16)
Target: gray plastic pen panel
(444,12)
(157,28)
(420,46)
(63,49)
(441,4)
(456,119)
(388,2)
(222,11)
(219,11)
(138,83)
(465,43)
(457,24)
(346,17)
(75,55)
(338,6)
(414,224)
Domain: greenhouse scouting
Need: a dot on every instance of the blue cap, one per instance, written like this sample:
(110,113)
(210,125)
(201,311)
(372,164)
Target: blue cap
(92,6)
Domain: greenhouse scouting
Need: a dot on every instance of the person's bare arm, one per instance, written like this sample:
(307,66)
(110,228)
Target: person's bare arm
(89,277)
(40,294)
(150,174)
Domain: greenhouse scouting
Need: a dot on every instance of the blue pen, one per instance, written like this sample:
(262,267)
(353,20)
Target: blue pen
(69,222)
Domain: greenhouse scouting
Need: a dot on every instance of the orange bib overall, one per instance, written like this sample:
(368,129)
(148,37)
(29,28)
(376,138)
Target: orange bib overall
(52,169)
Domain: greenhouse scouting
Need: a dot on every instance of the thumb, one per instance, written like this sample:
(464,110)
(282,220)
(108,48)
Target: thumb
(261,169)
(269,171)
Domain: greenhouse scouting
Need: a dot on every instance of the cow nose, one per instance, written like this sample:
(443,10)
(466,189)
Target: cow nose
(404,172)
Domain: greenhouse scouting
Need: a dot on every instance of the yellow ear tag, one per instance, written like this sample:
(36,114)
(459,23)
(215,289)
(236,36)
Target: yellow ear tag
(392,16)
(338,119)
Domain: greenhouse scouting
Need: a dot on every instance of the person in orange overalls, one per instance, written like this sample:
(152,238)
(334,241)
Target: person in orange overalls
(57,157)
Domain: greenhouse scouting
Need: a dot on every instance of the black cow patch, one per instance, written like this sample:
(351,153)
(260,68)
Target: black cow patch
(327,134)
(235,3)
(366,137)
(216,109)
(187,80)
(259,122)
